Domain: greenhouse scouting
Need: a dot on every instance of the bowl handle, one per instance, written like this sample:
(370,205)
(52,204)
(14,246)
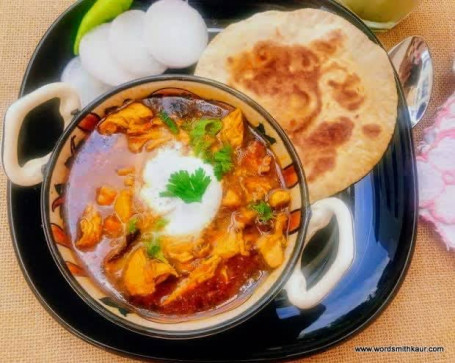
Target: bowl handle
(31,174)
(322,211)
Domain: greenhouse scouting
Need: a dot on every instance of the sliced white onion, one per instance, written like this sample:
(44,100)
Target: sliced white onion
(128,48)
(97,59)
(175,33)
(86,85)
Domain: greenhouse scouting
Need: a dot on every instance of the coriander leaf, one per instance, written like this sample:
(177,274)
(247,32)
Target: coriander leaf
(169,122)
(101,12)
(188,187)
(264,211)
(201,148)
(131,227)
(222,161)
(160,223)
(206,127)
(153,248)
(202,136)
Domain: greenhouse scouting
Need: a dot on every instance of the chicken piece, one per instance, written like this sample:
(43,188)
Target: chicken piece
(123,205)
(232,131)
(230,244)
(183,268)
(142,274)
(183,137)
(253,157)
(281,223)
(272,246)
(113,124)
(135,129)
(137,282)
(129,180)
(231,199)
(256,187)
(91,228)
(135,113)
(205,271)
(125,171)
(156,121)
(112,226)
(137,142)
(139,126)
(279,198)
(181,251)
(201,249)
(264,167)
(105,195)
(245,217)
(160,271)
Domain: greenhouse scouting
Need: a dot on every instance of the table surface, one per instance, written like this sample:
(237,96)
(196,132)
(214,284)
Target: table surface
(422,314)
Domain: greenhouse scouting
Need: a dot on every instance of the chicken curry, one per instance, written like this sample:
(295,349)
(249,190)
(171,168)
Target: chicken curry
(177,205)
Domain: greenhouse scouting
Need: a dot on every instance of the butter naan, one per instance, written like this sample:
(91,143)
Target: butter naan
(330,87)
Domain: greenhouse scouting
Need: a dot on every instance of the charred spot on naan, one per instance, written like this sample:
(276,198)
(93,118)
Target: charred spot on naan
(320,166)
(330,134)
(288,71)
(346,87)
(371,131)
(330,45)
(347,92)
(323,141)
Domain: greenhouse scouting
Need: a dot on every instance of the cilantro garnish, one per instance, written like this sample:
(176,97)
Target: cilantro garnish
(153,248)
(169,122)
(202,136)
(263,210)
(188,187)
(206,127)
(222,161)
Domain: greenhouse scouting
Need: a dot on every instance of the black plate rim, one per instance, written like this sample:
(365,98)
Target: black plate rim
(338,341)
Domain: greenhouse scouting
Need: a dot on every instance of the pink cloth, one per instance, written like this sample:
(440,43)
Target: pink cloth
(436,172)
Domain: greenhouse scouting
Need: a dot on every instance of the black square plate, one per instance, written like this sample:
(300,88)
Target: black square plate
(384,204)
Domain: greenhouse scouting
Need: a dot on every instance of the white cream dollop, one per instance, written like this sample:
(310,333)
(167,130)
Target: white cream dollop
(184,218)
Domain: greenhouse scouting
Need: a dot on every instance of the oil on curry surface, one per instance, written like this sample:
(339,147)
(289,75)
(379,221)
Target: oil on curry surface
(138,255)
